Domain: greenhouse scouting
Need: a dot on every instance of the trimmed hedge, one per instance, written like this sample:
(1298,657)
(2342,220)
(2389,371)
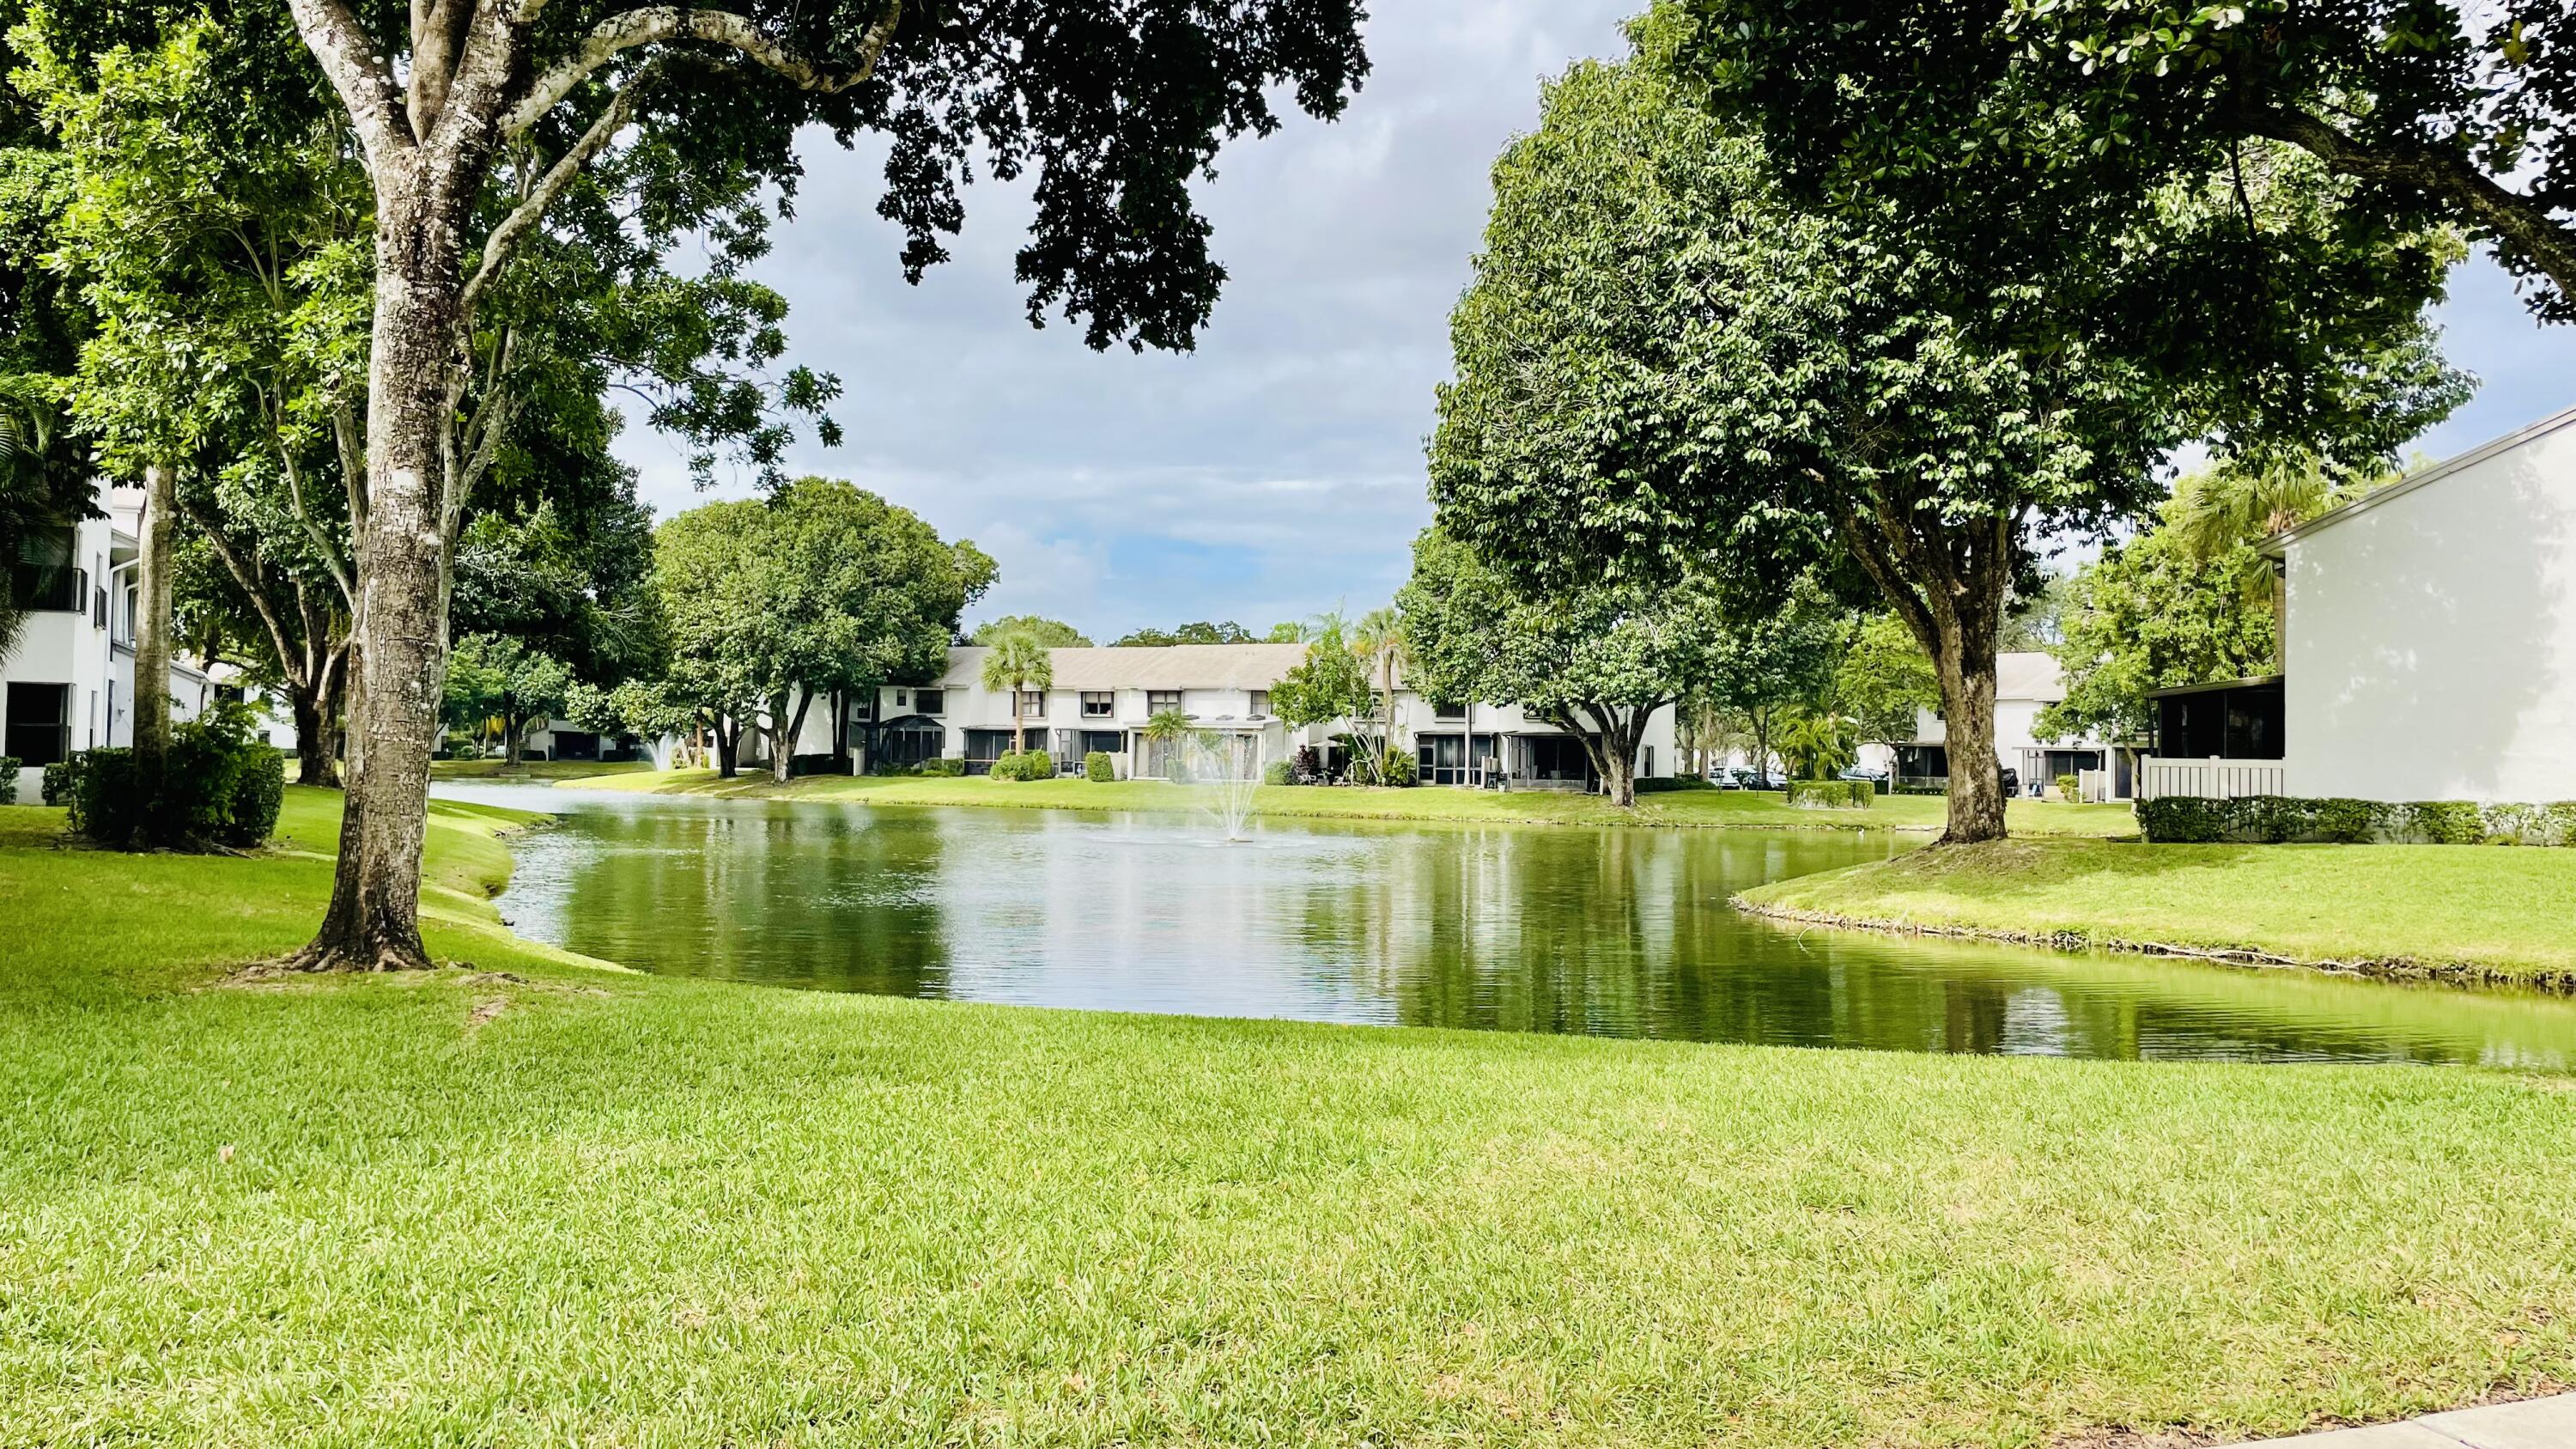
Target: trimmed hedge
(1833,794)
(1025,765)
(58,780)
(1099,768)
(1663,783)
(217,788)
(2283,819)
(8,779)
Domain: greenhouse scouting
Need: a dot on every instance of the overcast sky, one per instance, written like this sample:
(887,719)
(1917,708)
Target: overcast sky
(1276,471)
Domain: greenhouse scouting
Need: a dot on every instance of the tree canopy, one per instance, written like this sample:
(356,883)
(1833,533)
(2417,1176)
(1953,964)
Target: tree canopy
(1196,632)
(1053,633)
(1665,370)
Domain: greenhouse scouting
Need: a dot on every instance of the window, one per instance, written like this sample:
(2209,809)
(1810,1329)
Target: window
(42,575)
(1032,704)
(40,728)
(928,701)
(1106,742)
(1448,711)
(863,707)
(1159,700)
(1260,703)
(98,608)
(1098,704)
(903,699)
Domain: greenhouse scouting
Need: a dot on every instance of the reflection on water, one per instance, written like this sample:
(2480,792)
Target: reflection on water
(1606,932)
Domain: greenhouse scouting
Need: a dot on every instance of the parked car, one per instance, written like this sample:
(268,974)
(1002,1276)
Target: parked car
(1723,778)
(1877,779)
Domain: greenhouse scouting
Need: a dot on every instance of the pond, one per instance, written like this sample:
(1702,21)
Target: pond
(1607,932)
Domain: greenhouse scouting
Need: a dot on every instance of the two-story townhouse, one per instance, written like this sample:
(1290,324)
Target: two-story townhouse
(2026,682)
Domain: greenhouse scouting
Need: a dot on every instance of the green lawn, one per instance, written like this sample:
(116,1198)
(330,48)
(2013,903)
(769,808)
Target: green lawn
(1678,807)
(597,1208)
(2481,912)
(535,769)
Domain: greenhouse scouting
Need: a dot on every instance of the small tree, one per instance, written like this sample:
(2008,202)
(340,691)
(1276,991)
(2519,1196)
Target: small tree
(1018,663)
(1169,729)
(497,677)
(1329,684)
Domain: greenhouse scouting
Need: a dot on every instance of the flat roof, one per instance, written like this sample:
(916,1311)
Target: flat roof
(2280,542)
(2251,681)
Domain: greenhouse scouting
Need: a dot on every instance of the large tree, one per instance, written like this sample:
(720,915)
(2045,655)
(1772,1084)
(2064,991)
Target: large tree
(475,117)
(1663,367)
(1053,633)
(1595,662)
(1993,113)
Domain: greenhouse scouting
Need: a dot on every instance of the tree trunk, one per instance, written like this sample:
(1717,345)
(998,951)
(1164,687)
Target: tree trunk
(317,762)
(1976,776)
(727,751)
(514,738)
(400,633)
(152,627)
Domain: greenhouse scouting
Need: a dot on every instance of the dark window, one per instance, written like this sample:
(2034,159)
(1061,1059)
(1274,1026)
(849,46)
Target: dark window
(42,576)
(98,608)
(1159,700)
(40,723)
(1032,704)
(929,701)
(863,707)
(1448,711)
(910,741)
(983,747)
(1107,742)
(1260,703)
(1098,704)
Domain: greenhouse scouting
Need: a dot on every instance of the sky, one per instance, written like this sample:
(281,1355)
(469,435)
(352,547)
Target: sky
(1276,471)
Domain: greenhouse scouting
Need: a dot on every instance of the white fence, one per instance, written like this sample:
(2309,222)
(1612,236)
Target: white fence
(2210,779)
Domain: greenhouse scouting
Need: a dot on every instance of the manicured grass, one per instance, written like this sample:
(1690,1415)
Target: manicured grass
(2481,911)
(598,1208)
(535,769)
(1751,808)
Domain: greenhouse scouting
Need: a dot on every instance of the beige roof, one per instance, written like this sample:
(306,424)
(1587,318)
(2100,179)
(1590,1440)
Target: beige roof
(1178,666)
(2029,675)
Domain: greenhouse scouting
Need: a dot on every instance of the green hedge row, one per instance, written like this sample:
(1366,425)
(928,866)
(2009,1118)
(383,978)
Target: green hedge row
(217,788)
(1833,794)
(2280,819)
(1025,765)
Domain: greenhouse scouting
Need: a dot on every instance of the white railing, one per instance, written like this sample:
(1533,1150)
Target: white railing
(2210,779)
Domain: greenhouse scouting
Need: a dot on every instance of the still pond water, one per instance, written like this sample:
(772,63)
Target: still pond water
(1511,928)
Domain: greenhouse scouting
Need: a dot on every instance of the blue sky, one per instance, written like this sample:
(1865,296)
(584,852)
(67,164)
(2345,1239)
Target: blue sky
(1276,471)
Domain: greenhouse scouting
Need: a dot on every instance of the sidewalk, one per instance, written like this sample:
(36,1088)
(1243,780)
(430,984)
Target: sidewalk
(2532,1424)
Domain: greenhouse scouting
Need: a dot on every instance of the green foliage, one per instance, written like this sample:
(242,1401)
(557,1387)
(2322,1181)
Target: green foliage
(1287,631)
(1666,784)
(1819,741)
(943,767)
(1399,770)
(1025,765)
(2070,788)
(2279,819)
(1015,662)
(1099,767)
(9,780)
(1200,632)
(1884,680)
(1052,633)
(2151,614)
(496,676)
(59,780)
(1279,772)
(1832,794)
(219,786)
(1330,683)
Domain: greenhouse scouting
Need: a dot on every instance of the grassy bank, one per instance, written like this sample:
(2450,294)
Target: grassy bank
(535,769)
(586,1207)
(2476,912)
(1749,808)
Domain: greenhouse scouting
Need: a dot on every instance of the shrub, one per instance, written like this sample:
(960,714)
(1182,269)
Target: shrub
(2070,788)
(1279,772)
(1401,771)
(2513,824)
(2183,820)
(218,786)
(1099,768)
(2444,822)
(60,778)
(1025,765)
(2559,823)
(2349,822)
(1832,794)
(8,779)
(1673,782)
(1306,767)
(943,768)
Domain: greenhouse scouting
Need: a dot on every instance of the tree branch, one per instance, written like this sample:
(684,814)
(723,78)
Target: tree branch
(361,74)
(523,218)
(624,32)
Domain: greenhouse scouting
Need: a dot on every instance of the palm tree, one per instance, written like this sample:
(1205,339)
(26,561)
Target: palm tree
(1168,727)
(1378,639)
(1018,661)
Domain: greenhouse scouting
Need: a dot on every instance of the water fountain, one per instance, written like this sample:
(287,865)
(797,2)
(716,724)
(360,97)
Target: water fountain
(1227,769)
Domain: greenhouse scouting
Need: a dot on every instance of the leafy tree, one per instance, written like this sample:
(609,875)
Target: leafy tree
(497,677)
(824,587)
(1663,367)
(32,494)
(1885,680)
(1992,115)
(1595,662)
(1819,740)
(1053,633)
(676,118)
(1287,631)
(1762,671)
(1018,662)
(1330,683)
(1199,632)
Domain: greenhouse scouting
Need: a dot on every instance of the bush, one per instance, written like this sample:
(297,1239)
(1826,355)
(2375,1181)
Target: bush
(2070,788)
(2183,820)
(2443,822)
(943,768)
(218,786)
(8,779)
(1279,772)
(59,780)
(1099,768)
(1832,794)
(1025,765)
(1401,771)
(1673,782)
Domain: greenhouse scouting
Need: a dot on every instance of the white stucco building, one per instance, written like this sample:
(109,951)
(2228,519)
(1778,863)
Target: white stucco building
(2026,682)
(2429,632)
(1101,699)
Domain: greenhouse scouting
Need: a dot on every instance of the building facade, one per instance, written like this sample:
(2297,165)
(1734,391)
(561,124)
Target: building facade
(1101,700)
(2026,682)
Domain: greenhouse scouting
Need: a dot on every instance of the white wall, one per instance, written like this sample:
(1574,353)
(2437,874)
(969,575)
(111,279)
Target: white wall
(2430,637)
